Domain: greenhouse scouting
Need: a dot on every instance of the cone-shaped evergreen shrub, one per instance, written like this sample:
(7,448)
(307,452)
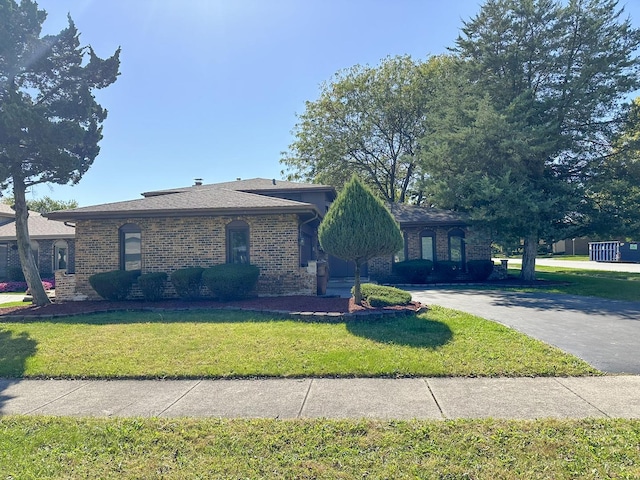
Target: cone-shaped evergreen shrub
(358,227)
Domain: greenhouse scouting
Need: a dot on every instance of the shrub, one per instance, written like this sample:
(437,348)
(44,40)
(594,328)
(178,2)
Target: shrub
(114,285)
(480,269)
(152,285)
(15,274)
(383,296)
(231,281)
(447,270)
(413,271)
(187,282)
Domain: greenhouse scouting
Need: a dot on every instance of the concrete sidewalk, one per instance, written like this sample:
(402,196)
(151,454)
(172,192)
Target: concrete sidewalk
(421,398)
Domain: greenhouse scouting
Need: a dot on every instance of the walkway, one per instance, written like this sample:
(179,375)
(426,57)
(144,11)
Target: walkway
(422,398)
(605,333)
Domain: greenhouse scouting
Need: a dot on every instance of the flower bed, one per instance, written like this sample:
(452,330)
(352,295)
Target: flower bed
(48,284)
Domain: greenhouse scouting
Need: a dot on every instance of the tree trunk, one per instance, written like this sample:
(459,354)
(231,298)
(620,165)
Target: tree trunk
(28,263)
(357,294)
(528,272)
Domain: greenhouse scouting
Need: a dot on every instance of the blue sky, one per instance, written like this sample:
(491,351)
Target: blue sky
(210,88)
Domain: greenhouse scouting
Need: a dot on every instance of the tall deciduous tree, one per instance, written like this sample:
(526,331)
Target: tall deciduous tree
(549,80)
(50,122)
(367,120)
(358,227)
(45,204)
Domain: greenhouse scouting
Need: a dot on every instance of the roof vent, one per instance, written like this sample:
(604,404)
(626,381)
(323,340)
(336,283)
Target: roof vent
(198,182)
(274,181)
(238,179)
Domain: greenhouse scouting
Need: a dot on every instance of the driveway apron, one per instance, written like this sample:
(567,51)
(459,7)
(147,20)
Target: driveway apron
(604,333)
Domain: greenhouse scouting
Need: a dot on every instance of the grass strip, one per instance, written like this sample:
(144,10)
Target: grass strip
(591,283)
(224,344)
(46,447)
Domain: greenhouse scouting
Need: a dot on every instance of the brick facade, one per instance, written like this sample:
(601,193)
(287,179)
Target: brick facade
(171,243)
(44,258)
(477,247)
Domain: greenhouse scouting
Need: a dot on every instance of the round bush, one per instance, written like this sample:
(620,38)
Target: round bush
(231,281)
(114,285)
(413,271)
(152,285)
(187,282)
(447,270)
(479,270)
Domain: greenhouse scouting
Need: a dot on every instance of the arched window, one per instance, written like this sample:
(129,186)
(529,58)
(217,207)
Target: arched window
(456,246)
(428,245)
(238,242)
(130,247)
(60,255)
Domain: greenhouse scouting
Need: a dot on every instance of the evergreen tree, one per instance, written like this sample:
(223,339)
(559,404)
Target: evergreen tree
(358,227)
(50,122)
(542,97)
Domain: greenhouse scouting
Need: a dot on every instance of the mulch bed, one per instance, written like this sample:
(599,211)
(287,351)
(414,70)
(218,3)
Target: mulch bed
(272,304)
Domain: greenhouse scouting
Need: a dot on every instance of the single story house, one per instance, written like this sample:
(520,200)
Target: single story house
(432,234)
(52,244)
(272,224)
(269,223)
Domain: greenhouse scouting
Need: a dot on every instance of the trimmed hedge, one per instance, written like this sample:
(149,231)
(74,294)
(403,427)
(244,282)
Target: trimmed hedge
(479,270)
(114,285)
(152,285)
(187,282)
(413,271)
(230,281)
(447,270)
(383,296)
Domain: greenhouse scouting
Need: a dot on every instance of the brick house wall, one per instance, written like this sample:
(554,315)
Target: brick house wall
(171,243)
(477,247)
(45,256)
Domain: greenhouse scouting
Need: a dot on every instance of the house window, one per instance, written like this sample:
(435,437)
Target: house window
(130,247)
(456,246)
(428,245)
(34,251)
(4,260)
(238,242)
(401,255)
(60,255)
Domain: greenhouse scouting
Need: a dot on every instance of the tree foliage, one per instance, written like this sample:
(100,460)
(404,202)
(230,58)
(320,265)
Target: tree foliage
(358,227)
(50,122)
(612,197)
(522,135)
(45,204)
(367,120)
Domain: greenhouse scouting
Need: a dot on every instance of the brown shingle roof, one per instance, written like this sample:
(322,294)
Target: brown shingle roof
(40,228)
(253,185)
(197,201)
(408,215)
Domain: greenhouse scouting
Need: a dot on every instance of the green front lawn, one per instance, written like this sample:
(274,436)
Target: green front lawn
(221,344)
(593,283)
(45,447)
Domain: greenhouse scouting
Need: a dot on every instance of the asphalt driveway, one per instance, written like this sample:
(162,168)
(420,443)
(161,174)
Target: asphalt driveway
(604,333)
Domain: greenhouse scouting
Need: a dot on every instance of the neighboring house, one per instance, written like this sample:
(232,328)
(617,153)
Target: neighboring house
(52,243)
(572,246)
(432,234)
(269,223)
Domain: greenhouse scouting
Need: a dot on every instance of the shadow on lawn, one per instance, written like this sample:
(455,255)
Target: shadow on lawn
(14,351)
(410,331)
